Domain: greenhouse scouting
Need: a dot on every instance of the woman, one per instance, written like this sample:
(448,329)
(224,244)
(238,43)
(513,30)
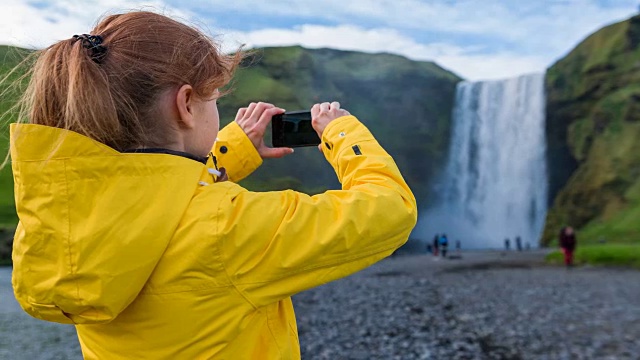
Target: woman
(128,228)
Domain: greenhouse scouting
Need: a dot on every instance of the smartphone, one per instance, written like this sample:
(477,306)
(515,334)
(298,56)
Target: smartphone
(293,129)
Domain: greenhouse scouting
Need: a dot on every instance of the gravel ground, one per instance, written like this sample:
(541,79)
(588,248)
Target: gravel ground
(483,306)
(418,308)
(25,338)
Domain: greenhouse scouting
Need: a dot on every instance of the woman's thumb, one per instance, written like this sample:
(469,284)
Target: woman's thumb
(279,152)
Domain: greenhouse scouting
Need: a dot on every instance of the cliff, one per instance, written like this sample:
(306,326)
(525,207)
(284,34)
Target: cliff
(593,123)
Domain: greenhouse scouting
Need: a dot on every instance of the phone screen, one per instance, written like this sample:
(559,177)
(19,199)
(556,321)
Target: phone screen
(293,129)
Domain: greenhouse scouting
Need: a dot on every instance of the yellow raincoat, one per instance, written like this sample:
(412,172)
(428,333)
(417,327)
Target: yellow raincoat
(149,258)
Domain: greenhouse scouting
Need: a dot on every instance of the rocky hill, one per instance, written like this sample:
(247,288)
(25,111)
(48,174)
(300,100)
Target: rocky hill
(407,105)
(593,127)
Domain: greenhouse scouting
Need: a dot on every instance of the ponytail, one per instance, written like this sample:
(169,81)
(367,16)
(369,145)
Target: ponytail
(69,90)
(106,85)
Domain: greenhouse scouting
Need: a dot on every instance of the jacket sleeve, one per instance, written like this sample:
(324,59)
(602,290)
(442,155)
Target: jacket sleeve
(235,152)
(276,244)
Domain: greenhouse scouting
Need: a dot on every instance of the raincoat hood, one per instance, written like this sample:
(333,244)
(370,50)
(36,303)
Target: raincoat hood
(166,261)
(83,256)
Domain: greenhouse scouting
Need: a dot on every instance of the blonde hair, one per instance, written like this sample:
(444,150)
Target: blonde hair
(112,98)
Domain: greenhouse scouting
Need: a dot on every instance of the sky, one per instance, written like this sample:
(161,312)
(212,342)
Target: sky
(476,39)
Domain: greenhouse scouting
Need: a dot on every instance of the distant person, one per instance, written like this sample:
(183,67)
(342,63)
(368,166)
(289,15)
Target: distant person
(458,245)
(429,248)
(568,244)
(507,244)
(518,243)
(436,243)
(130,230)
(444,243)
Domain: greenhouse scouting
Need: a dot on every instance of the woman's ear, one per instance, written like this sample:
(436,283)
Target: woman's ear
(185,105)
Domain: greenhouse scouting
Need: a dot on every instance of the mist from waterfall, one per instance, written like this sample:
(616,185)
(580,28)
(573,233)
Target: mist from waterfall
(495,183)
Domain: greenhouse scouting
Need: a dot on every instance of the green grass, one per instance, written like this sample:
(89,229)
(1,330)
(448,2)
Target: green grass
(604,255)
(623,227)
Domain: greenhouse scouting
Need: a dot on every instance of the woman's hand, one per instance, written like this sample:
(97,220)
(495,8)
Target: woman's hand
(254,120)
(323,114)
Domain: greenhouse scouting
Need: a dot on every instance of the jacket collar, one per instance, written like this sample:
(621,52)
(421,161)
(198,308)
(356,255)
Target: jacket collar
(201,159)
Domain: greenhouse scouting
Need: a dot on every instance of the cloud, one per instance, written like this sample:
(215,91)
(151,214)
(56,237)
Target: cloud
(464,61)
(500,65)
(346,37)
(38,24)
(549,24)
(475,39)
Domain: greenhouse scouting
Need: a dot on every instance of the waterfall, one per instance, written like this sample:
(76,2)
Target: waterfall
(495,183)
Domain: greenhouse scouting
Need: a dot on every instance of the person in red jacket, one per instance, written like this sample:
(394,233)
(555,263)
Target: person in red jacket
(568,244)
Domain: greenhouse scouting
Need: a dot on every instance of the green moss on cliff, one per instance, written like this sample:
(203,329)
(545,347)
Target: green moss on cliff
(593,103)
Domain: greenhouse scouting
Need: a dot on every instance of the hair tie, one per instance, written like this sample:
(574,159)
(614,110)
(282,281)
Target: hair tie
(93,43)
